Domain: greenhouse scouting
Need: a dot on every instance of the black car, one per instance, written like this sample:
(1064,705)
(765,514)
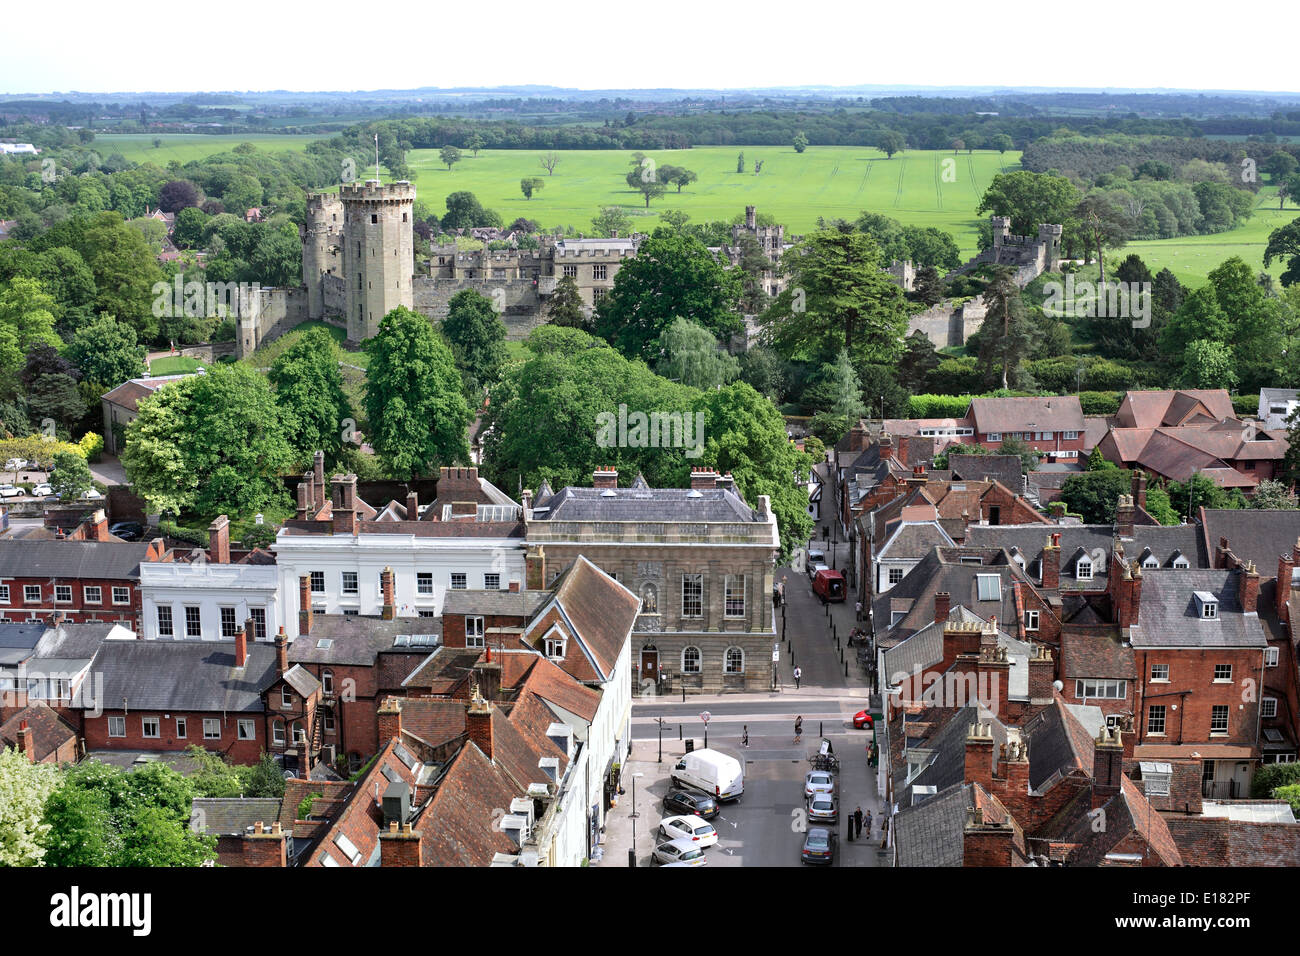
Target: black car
(681,800)
(127,530)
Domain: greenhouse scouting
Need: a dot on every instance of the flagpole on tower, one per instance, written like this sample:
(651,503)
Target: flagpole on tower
(376,157)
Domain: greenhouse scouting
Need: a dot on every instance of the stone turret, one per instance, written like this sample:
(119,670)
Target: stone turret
(378,253)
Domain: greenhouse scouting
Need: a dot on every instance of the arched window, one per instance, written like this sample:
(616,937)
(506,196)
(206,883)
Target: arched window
(299,734)
(734,662)
(277,731)
(691,660)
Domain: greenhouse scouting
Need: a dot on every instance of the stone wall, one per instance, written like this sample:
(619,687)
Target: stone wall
(278,310)
(949,325)
(518,297)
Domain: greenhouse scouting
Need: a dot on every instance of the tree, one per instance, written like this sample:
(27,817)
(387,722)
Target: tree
(1007,335)
(691,356)
(179,194)
(417,412)
(1028,456)
(1105,224)
(475,143)
(477,337)
(918,360)
(549,161)
(646,182)
(210,444)
(957,145)
(1273,496)
(309,391)
(677,176)
(846,392)
(800,142)
(764,371)
(676,218)
(1284,244)
(531,184)
(928,287)
(740,162)
(465,211)
(1094,494)
(1201,492)
(57,398)
(188,230)
(611,222)
(1029,199)
(672,275)
(449,155)
(26,321)
(1002,142)
(1159,507)
(753,264)
(890,142)
(24,788)
(837,297)
(566,307)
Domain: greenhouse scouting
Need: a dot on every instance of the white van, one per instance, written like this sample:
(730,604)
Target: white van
(715,773)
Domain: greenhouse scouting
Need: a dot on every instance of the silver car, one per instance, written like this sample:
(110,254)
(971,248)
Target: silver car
(680,851)
(818,781)
(823,808)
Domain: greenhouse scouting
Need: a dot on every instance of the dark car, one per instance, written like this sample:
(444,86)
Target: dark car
(818,846)
(127,530)
(683,800)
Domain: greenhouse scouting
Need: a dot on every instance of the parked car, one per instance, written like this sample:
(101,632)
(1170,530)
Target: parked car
(127,530)
(93,494)
(688,827)
(818,781)
(814,568)
(829,585)
(710,771)
(816,556)
(10,491)
(680,851)
(42,490)
(15,464)
(823,808)
(862,719)
(684,800)
(818,846)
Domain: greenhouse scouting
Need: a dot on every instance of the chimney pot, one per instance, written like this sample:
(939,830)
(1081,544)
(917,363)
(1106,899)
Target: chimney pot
(219,540)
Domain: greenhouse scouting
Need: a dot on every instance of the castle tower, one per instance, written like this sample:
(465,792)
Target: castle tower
(1001,229)
(751,218)
(321,239)
(1049,237)
(378,253)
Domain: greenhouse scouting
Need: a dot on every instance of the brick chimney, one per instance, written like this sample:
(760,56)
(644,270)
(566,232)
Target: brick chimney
(979,755)
(942,606)
(604,478)
(306,500)
(725,482)
(412,506)
(241,647)
(386,586)
(858,437)
(1107,766)
(399,846)
(1248,587)
(1285,565)
(918,477)
(478,724)
(219,540)
(535,569)
(99,526)
(304,604)
(1124,516)
(886,445)
(703,479)
(1014,770)
(265,846)
(390,721)
(1052,562)
(487,672)
(25,745)
(1042,672)
(281,654)
(1139,488)
(1223,554)
(526,499)
(318,478)
(993,675)
(344,488)
(1128,592)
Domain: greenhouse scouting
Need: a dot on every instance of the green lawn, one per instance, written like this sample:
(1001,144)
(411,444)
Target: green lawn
(174,365)
(184,147)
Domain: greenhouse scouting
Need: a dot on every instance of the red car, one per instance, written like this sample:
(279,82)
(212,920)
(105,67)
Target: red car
(862,719)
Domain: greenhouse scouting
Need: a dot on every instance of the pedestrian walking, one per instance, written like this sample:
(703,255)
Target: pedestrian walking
(744,736)
(780,589)
(798,676)
(776,597)
(857,821)
(798,729)
(868,825)
(857,611)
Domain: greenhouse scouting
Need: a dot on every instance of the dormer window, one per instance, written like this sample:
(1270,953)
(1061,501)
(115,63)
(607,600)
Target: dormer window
(1207,605)
(555,648)
(1180,561)
(1150,563)
(1083,570)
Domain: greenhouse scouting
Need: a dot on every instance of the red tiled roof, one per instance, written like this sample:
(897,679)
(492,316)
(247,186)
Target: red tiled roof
(49,730)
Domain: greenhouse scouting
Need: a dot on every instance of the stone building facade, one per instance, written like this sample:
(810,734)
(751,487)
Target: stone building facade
(700,559)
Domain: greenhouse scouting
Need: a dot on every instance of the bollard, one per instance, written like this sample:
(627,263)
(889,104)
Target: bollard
(679,731)
(846,668)
(850,829)
(631,857)
(683,693)
(820,731)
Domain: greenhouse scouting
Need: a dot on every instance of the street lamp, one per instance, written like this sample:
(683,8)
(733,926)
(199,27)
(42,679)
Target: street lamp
(632,860)
(660,722)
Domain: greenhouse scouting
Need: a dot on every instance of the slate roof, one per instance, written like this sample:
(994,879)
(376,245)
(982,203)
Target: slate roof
(184,675)
(941,570)
(232,816)
(354,639)
(1259,536)
(1058,744)
(924,648)
(494,603)
(302,680)
(676,505)
(72,559)
(948,752)
(1126,813)
(1168,616)
(1206,841)
(933,833)
(912,539)
(1003,468)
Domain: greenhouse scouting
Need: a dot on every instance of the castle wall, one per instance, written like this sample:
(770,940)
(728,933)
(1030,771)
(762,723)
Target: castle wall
(278,310)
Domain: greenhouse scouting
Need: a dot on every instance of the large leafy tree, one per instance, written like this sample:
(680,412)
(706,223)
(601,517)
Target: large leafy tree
(477,337)
(309,391)
(918,360)
(837,297)
(1104,224)
(26,321)
(24,787)
(417,413)
(464,210)
(106,351)
(1007,334)
(566,307)
(101,815)
(1094,494)
(611,221)
(691,356)
(1029,199)
(210,444)
(71,478)
(1284,244)
(672,275)
(647,183)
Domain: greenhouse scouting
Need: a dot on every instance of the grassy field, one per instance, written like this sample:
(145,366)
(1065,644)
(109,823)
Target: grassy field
(184,147)
(928,188)
(174,365)
(795,188)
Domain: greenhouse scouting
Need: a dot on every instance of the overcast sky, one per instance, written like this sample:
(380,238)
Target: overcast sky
(637,44)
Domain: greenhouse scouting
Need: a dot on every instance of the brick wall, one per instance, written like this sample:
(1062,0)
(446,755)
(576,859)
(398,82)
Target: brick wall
(95,730)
